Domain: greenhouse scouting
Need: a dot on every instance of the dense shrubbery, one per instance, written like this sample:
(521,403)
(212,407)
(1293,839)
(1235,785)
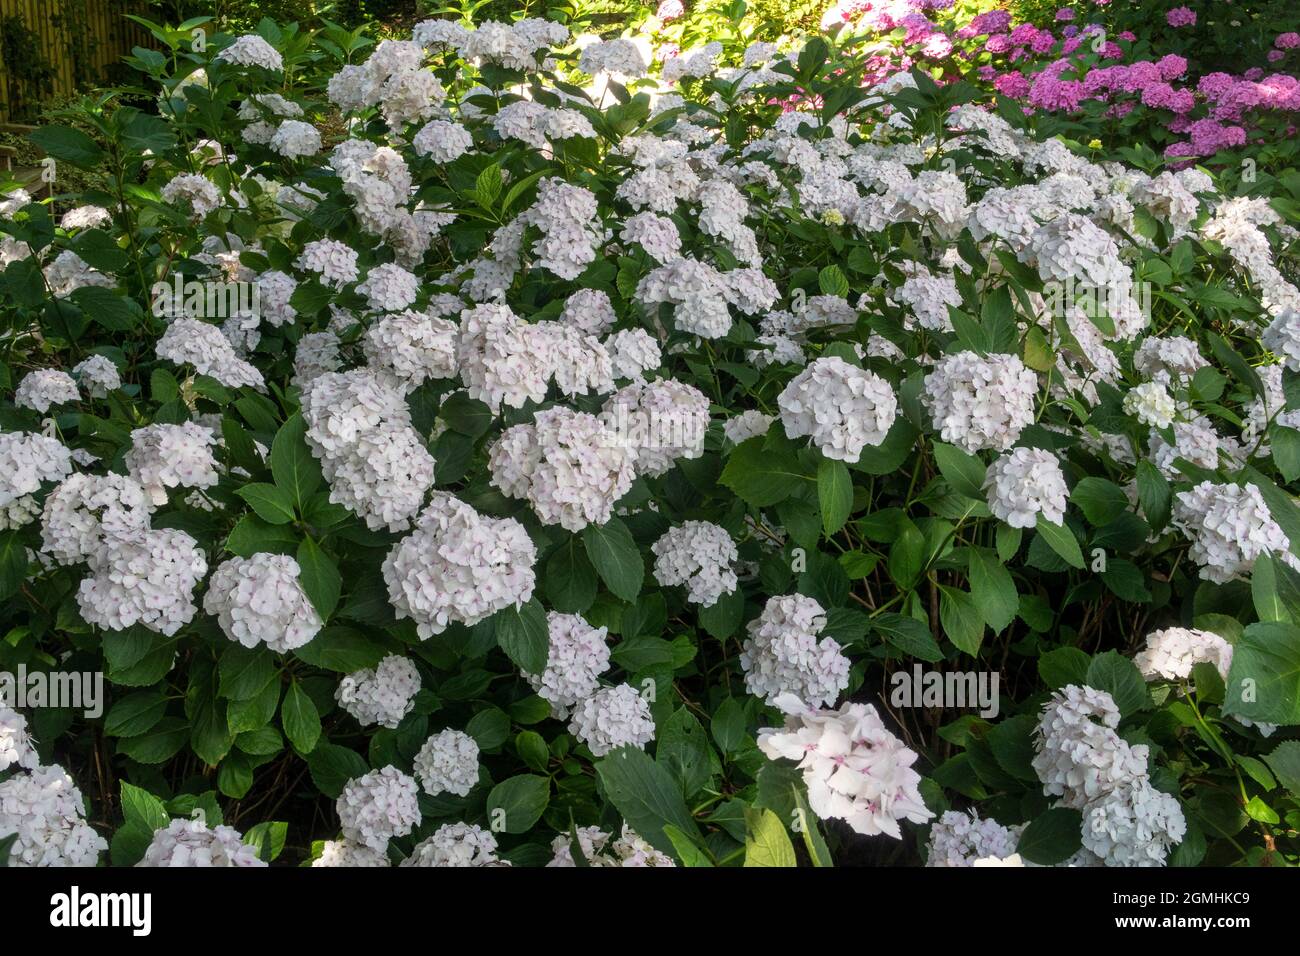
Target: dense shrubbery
(597,455)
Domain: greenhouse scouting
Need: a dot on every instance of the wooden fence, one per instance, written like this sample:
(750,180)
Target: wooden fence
(53,48)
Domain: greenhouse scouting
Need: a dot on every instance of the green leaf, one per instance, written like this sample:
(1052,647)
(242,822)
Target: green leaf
(300,719)
(729,724)
(268,838)
(466,415)
(993,589)
(271,502)
(514,805)
(908,636)
(570,578)
(135,714)
(1118,676)
(1101,501)
(1284,761)
(522,633)
(251,535)
(961,619)
(907,556)
(244,672)
(832,281)
(687,852)
(835,494)
(142,807)
(759,475)
(532,750)
(1053,837)
(813,841)
(682,746)
(159,744)
(646,796)
(1061,540)
(68,145)
(1285,442)
(615,557)
(1264,681)
(13,564)
(1062,666)
(295,470)
(341,649)
(333,766)
(320,577)
(963,471)
(766,841)
(1126,580)
(1154,493)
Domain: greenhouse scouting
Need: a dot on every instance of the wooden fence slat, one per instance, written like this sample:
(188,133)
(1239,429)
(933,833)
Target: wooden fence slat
(56,24)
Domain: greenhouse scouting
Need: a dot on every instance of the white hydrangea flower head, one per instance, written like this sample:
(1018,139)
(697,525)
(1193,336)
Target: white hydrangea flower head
(613,717)
(347,854)
(382,695)
(97,375)
(46,812)
(359,427)
(459,565)
(192,843)
(143,577)
(456,844)
(580,364)
(294,139)
(389,288)
(854,768)
(979,403)
(191,342)
(44,388)
(260,600)
(316,354)
(782,654)
(567,465)
(577,654)
(1026,483)
(448,763)
(1229,527)
(700,555)
(841,407)
(83,509)
(633,353)
(1134,825)
(28,460)
(698,293)
(655,234)
(663,421)
(589,311)
(16,746)
(1078,755)
(1171,653)
(963,839)
(412,347)
(600,849)
(378,806)
(1282,337)
(748,424)
(442,141)
(1151,403)
(251,49)
(194,191)
(167,456)
(503,360)
(1168,359)
(333,261)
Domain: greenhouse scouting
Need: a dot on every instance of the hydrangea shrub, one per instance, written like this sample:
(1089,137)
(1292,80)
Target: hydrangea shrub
(494,449)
